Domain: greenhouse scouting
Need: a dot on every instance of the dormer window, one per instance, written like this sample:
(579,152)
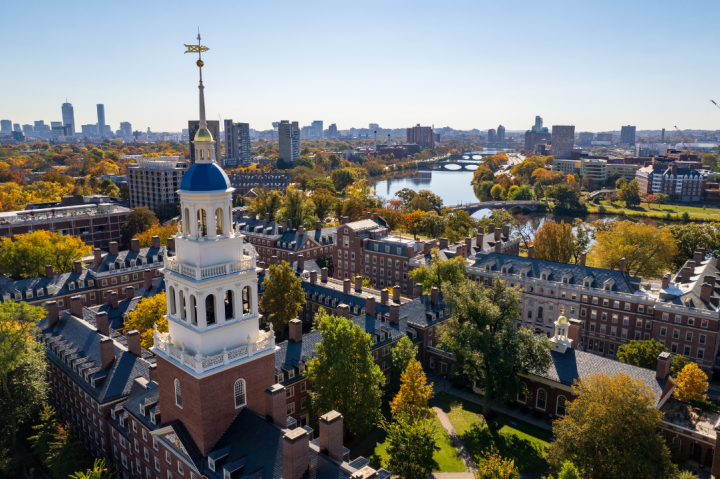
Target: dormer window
(39,292)
(29,294)
(291,374)
(152,417)
(71,286)
(111,266)
(91,282)
(81,283)
(18,296)
(211,464)
(132,262)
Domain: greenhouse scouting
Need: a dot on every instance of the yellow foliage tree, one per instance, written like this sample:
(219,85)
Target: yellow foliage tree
(30,253)
(164,232)
(149,312)
(15,197)
(492,466)
(692,384)
(414,394)
(554,242)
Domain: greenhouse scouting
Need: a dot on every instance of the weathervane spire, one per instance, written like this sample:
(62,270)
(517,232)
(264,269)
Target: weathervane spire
(199,49)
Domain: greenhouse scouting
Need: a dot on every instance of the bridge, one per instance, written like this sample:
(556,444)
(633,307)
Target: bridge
(443,165)
(495,205)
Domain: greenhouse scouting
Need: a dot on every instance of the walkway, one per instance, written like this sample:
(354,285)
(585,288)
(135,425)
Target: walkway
(455,438)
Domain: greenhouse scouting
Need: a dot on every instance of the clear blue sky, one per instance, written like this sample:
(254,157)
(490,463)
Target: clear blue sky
(474,64)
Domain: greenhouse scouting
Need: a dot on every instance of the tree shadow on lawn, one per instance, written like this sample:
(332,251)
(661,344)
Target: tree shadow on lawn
(528,456)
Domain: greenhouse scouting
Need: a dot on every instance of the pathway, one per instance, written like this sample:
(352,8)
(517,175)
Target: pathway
(455,438)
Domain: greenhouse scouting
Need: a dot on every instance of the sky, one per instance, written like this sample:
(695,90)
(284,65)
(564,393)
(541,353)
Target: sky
(474,64)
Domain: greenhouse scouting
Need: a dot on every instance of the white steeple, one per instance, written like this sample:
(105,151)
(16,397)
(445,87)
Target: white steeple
(561,342)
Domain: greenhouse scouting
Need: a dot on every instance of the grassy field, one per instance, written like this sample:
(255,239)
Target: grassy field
(523,442)
(446,459)
(657,211)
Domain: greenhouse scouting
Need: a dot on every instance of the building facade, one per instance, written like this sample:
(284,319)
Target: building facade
(68,116)
(421,135)
(680,184)
(563,139)
(500,135)
(627,136)
(492,136)
(289,140)
(244,182)
(153,182)
(237,144)
(101,119)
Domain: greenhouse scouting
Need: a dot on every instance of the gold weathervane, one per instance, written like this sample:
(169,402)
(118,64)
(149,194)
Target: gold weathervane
(197,49)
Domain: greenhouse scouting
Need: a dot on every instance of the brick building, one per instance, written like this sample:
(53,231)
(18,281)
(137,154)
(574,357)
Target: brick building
(680,184)
(244,182)
(421,135)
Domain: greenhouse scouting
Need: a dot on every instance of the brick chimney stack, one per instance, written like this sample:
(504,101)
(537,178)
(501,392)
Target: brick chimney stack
(498,246)
(318,225)
(498,233)
(133,342)
(102,324)
(384,297)
(253,215)
(444,243)
(331,435)
(395,313)
(506,231)
(301,262)
(76,306)
(370,305)
(97,256)
(296,453)
(267,217)
(705,292)
(685,274)
(114,301)
(171,244)
(77,267)
(709,280)
(113,248)
(53,313)
(155,242)
(107,352)
(396,293)
(295,335)
(301,230)
(346,286)
(358,284)
(531,251)
(49,273)
(583,259)
(343,310)
(491,228)
(275,405)
(130,292)
(313,277)
(417,290)
(152,372)
(324,275)
(623,264)
(663,365)
(135,245)
(435,295)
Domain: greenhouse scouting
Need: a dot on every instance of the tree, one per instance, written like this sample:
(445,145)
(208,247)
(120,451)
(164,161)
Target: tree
(482,189)
(643,353)
(648,250)
(481,337)
(610,430)
(710,159)
(45,433)
(21,365)
(492,466)
(283,296)
(677,363)
(419,203)
(692,384)
(66,454)
(520,193)
(324,201)
(321,183)
(554,242)
(411,222)
(353,208)
(414,394)
(99,470)
(392,217)
(460,225)
(148,313)
(649,199)
(30,253)
(442,273)
(496,191)
(690,237)
(163,231)
(567,471)
(344,375)
(432,224)
(629,193)
(662,198)
(299,209)
(266,202)
(400,357)
(567,199)
(343,177)
(140,219)
(411,445)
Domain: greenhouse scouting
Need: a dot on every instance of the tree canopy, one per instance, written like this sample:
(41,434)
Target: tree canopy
(139,220)
(442,273)
(27,256)
(400,357)
(692,384)
(149,312)
(411,445)
(414,394)
(283,296)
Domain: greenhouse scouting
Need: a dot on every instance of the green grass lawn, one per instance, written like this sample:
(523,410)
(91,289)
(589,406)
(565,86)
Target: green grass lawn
(524,443)
(446,459)
(657,211)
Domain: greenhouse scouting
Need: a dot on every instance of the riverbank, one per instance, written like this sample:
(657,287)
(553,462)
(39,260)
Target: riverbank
(654,211)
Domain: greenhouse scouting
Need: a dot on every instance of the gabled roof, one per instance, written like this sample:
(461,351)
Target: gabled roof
(146,254)
(59,285)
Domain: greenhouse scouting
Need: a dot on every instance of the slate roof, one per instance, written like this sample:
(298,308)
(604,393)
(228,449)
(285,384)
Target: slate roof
(59,285)
(147,395)
(116,316)
(123,258)
(289,241)
(79,344)
(690,292)
(205,177)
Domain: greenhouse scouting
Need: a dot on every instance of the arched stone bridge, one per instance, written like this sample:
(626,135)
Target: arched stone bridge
(494,205)
(442,165)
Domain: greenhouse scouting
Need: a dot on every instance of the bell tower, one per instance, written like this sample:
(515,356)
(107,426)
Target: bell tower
(214,359)
(561,342)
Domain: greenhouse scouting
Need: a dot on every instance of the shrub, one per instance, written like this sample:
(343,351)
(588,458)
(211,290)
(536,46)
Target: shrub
(602,210)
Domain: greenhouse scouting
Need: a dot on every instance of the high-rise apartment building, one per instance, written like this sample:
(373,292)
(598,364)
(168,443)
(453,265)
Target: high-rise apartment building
(491,136)
(213,126)
(237,144)
(317,129)
(68,116)
(373,127)
(585,138)
(421,135)
(563,139)
(154,182)
(332,131)
(627,136)
(101,118)
(125,128)
(289,139)
(5,127)
(28,130)
(536,135)
(501,135)
(16,127)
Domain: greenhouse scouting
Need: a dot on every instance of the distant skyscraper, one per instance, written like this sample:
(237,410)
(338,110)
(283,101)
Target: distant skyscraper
(237,144)
(89,130)
(101,118)
(317,129)
(289,139)
(55,124)
(68,116)
(501,135)
(538,124)
(586,138)
(491,136)
(373,127)
(5,127)
(125,128)
(332,131)
(421,135)
(627,136)
(16,127)
(28,130)
(213,126)
(563,139)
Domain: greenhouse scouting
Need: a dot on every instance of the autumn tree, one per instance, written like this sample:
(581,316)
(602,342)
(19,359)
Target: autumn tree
(442,273)
(411,222)
(610,430)
(481,337)
(139,220)
(283,296)
(460,225)
(299,209)
(344,375)
(149,312)
(162,231)
(554,242)
(66,454)
(414,394)
(99,470)
(266,202)
(410,445)
(629,193)
(343,177)
(692,384)
(648,250)
(567,471)
(30,253)
(497,191)
(432,224)
(400,357)
(323,200)
(689,237)
(492,466)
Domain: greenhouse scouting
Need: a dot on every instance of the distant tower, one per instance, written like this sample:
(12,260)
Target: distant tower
(662,136)
(101,119)
(389,145)
(375,142)
(68,116)
(538,123)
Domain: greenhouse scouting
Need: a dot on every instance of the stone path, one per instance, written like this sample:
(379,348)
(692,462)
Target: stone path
(455,438)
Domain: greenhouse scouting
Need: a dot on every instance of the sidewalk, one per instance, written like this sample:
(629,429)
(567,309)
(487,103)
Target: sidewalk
(455,438)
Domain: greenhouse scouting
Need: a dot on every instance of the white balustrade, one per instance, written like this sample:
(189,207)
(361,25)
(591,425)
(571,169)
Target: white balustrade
(210,271)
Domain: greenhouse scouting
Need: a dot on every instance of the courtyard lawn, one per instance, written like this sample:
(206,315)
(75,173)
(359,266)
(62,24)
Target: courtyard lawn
(446,459)
(525,443)
(657,211)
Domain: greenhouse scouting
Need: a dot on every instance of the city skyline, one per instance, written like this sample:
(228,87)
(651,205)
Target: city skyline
(603,86)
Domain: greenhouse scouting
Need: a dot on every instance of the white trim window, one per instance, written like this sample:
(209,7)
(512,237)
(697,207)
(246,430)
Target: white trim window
(178,394)
(560,408)
(239,392)
(541,400)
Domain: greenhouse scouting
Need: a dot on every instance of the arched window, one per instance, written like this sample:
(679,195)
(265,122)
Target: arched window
(521,398)
(186,222)
(193,310)
(210,309)
(677,443)
(219,230)
(202,222)
(178,394)
(239,391)
(246,293)
(173,310)
(229,304)
(560,410)
(183,311)
(541,399)
(208,154)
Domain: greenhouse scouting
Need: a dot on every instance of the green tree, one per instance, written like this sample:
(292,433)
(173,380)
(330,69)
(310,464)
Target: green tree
(443,273)
(324,202)
(353,208)
(567,471)
(432,224)
(344,375)
(677,363)
(266,202)
(690,237)
(630,194)
(710,159)
(419,203)
(610,430)
(400,356)
(492,466)
(642,353)
(482,189)
(411,445)
(481,337)
(140,219)
(566,199)
(99,470)
(299,209)
(662,198)
(343,177)
(321,183)
(30,253)
(283,296)
(44,434)
(521,193)
(66,454)
(305,161)
(460,225)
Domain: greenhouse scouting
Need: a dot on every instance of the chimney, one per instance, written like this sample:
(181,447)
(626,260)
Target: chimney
(253,215)
(491,228)
(323,275)
(113,248)
(384,297)
(396,293)
(295,335)
(395,313)
(318,225)
(443,243)
(375,141)
(49,273)
(411,251)
(97,256)
(285,225)
(370,305)
(376,217)
(345,220)
(531,251)
(705,292)
(417,290)
(135,245)
(702,250)
(435,295)
(479,241)
(573,333)
(289,225)
(666,280)
(296,453)
(130,292)
(274,260)
(148,277)
(497,234)
(301,230)
(53,313)
(171,244)
(155,242)
(301,262)
(583,259)
(152,372)
(673,168)
(481,230)
(102,324)
(498,246)
(623,263)
(685,274)
(343,310)
(506,231)
(77,267)
(275,405)
(468,246)
(346,286)
(133,342)
(331,435)
(76,306)
(698,257)
(107,352)
(313,277)
(368,215)
(114,300)
(427,248)
(358,284)
(663,365)
(709,280)
(267,218)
